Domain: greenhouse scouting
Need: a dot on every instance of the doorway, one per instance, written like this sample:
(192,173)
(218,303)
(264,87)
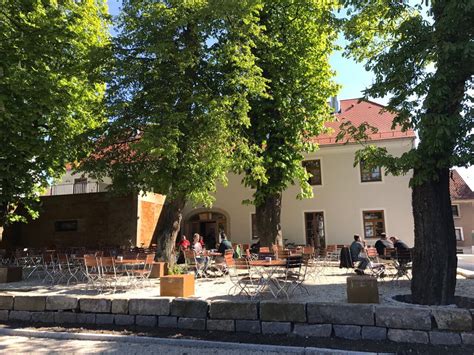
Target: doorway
(315,229)
(209,225)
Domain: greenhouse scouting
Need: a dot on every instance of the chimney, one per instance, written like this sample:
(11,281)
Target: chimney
(334,103)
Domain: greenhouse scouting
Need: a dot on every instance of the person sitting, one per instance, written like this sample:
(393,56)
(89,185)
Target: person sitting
(255,247)
(184,243)
(199,251)
(382,244)
(225,245)
(402,249)
(357,254)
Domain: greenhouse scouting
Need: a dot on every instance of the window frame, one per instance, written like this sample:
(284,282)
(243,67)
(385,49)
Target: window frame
(323,212)
(252,214)
(320,170)
(461,234)
(384,220)
(458,209)
(361,174)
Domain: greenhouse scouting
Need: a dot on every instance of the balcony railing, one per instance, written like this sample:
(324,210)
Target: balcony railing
(78,188)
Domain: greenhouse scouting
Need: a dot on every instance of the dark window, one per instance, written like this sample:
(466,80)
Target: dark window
(80,186)
(374,224)
(314,168)
(254,224)
(65,226)
(314,227)
(455,209)
(458,232)
(369,174)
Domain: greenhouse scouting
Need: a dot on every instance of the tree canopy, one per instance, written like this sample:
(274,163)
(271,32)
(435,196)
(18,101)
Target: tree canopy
(51,89)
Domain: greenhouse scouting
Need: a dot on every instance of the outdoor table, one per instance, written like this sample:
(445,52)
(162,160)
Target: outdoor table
(268,270)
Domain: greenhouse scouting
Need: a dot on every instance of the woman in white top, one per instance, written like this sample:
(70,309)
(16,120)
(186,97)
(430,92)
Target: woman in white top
(197,244)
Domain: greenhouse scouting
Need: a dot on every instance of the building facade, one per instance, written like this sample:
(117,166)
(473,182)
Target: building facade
(347,199)
(462,203)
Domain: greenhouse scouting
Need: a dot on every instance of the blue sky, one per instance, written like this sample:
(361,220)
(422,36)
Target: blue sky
(352,77)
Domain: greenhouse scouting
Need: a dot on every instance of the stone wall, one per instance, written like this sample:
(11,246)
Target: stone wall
(435,325)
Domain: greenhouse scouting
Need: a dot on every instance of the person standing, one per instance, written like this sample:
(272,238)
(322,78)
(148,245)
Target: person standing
(358,254)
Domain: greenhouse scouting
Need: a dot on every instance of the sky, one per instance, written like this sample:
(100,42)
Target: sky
(352,77)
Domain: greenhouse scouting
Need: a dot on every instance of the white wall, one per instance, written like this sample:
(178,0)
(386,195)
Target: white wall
(342,198)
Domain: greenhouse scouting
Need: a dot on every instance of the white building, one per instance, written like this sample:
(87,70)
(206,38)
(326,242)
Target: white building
(347,200)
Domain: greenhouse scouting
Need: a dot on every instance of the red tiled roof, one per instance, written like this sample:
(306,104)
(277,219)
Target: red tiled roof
(458,188)
(358,112)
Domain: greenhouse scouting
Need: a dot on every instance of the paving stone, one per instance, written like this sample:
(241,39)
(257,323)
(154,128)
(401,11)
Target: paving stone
(191,308)
(408,336)
(86,318)
(191,323)
(29,303)
(3,315)
(20,316)
(167,322)
(444,338)
(225,325)
(95,305)
(65,317)
(352,332)
(332,313)
(60,303)
(155,307)
(374,333)
(247,326)
(120,306)
(6,302)
(403,318)
(467,338)
(42,317)
(276,327)
(104,318)
(145,321)
(452,319)
(124,319)
(283,311)
(233,310)
(313,330)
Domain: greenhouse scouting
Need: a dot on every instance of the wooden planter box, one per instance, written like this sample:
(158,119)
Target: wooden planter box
(177,285)
(158,270)
(362,289)
(10,274)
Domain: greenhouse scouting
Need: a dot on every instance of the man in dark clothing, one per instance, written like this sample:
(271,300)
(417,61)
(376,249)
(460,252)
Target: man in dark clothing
(382,244)
(255,247)
(357,254)
(402,249)
(225,245)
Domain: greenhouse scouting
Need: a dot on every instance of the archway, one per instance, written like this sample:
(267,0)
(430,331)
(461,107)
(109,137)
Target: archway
(208,224)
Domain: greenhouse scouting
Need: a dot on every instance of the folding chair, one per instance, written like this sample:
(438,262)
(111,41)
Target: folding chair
(240,275)
(192,263)
(403,264)
(143,275)
(376,268)
(295,275)
(107,272)
(91,270)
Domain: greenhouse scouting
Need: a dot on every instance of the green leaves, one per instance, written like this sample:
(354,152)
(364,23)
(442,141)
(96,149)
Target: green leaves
(51,90)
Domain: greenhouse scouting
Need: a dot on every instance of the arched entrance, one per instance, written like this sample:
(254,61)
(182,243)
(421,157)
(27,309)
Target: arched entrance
(208,224)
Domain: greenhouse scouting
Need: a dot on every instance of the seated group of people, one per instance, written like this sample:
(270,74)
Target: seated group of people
(358,251)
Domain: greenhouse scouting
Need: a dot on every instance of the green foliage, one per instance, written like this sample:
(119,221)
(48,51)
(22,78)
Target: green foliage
(51,89)
(425,63)
(293,52)
(179,88)
(177,269)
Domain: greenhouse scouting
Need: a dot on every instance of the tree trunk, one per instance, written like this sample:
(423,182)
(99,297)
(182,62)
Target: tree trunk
(434,259)
(168,228)
(268,219)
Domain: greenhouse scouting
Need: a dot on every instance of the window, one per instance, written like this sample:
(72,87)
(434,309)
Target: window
(459,234)
(369,175)
(65,226)
(455,209)
(254,224)
(80,186)
(314,168)
(374,224)
(314,228)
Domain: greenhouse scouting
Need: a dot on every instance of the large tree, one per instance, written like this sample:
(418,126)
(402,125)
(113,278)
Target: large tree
(423,57)
(293,53)
(178,92)
(51,91)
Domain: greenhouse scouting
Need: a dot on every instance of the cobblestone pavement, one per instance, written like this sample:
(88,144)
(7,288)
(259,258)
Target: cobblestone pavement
(33,345)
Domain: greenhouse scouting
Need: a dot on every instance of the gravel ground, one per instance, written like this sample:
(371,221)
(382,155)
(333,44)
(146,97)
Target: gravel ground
(326,284)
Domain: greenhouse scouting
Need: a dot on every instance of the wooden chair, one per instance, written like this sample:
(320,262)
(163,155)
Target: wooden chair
(192,263)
